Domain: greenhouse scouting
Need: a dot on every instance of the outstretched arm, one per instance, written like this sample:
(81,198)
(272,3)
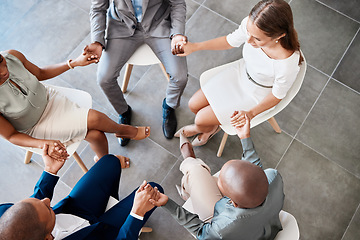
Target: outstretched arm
(214,44)
(56,149)
(55,69)
(242,128)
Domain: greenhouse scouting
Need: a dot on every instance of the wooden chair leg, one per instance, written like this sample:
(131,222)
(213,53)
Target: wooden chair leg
(80,162)
(164,71)
(146,229)
(274,124)
(128,70)
(28,156)
(222,144)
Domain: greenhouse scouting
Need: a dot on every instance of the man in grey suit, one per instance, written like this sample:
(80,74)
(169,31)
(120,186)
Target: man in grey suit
(128,24)
(252,198)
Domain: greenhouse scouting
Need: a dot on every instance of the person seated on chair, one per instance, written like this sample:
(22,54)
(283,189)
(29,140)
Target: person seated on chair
(80,215)
(244,202)
(32,114)
(126,25)
(254,84)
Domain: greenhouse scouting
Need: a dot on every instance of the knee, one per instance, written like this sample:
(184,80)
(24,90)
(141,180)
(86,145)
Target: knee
(105,80)
(153,184)
(193,105)
(110,163)
(95,136)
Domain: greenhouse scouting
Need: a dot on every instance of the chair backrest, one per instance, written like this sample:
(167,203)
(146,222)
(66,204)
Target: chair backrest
(290,227)
(81,98)
(144,55)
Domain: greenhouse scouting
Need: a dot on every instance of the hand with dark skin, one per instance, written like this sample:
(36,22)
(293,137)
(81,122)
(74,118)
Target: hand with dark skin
(176,44)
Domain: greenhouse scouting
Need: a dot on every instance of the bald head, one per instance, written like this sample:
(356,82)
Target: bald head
(244,183)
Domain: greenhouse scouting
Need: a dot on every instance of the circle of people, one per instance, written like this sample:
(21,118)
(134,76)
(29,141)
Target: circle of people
(244,200)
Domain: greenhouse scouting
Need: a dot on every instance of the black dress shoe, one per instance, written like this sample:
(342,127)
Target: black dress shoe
(169,121)
(125,118)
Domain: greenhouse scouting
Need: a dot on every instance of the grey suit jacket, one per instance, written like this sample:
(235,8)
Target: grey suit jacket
(161,18)
(229,222)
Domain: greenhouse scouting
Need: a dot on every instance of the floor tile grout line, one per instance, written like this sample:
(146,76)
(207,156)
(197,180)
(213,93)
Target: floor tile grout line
(163,147)
(202,5)
(327,158)
(70,2)
(351,220)
(337,11)
(286,150)
(346,50)
(173,166)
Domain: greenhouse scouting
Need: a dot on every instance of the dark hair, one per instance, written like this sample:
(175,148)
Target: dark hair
(21,222)
(274,17)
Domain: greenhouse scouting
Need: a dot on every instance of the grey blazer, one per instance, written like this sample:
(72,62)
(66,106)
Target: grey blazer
(161,18)
(229,222)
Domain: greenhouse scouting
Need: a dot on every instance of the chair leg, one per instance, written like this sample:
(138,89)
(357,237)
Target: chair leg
(28,156)
(164,71)
(146,229)
(222,144)
(80,162)
(128,70)
(274,124)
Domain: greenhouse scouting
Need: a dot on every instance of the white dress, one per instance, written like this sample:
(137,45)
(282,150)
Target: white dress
(231,89)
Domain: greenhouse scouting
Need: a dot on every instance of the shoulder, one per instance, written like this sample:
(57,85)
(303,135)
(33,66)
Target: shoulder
(16,54)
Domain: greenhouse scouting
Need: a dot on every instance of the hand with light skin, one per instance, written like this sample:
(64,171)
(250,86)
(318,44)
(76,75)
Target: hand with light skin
(93,51)
(159,199)
(176,44)
(184,49)
(242,125)
(51,165)
(141,203)
(238,118)
(55,149)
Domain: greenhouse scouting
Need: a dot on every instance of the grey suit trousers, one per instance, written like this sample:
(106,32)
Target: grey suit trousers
(116,53)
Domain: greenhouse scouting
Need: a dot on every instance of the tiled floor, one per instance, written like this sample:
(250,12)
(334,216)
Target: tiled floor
(317,153)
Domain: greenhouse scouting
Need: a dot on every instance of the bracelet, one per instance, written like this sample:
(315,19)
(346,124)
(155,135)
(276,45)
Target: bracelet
(68,63)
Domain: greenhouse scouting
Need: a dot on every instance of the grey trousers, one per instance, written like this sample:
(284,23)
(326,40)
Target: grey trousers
(118,51)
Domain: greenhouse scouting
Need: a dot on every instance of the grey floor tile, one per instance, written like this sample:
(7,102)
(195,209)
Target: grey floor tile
(48,38)
(324,33)
(203,26)
(191,7)
(321,195)
(291,118)
(146,102)
(331,128)
(350,8)
(164,227)
(11,11)
(348,71)
(353,231)
(231,9)
(83,4)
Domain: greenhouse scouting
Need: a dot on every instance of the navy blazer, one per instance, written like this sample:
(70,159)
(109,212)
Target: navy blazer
(97,230)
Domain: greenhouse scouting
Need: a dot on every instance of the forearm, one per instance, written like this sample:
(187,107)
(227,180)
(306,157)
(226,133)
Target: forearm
(268,102)
(185,218)
(98,13)
(177,16)
(213,44)
(249,152)
(24,140)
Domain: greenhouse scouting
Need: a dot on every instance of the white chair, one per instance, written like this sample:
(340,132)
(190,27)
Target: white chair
(265,116)
(81,98)
(142,56)
(112,201)
(290,227)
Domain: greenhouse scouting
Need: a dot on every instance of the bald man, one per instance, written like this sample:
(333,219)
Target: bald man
(243,203)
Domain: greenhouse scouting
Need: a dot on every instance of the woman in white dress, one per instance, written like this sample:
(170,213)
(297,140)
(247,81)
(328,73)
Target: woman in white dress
(258,82)
(34,115)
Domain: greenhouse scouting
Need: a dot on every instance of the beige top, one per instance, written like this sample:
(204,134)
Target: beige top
(22,108)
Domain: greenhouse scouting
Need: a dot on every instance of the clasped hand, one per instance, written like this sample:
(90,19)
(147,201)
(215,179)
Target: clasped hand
(142,198)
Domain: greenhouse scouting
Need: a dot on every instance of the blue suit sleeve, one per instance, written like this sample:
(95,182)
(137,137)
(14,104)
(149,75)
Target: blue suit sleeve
(44,188)
(249,153)
(130,229)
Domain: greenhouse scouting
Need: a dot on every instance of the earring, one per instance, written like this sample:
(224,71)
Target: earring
(277,41)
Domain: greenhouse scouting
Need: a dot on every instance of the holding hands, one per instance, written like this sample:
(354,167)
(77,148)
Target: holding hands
(142,198)
(177,44)
(55,150)
(241,122)
(52,165)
